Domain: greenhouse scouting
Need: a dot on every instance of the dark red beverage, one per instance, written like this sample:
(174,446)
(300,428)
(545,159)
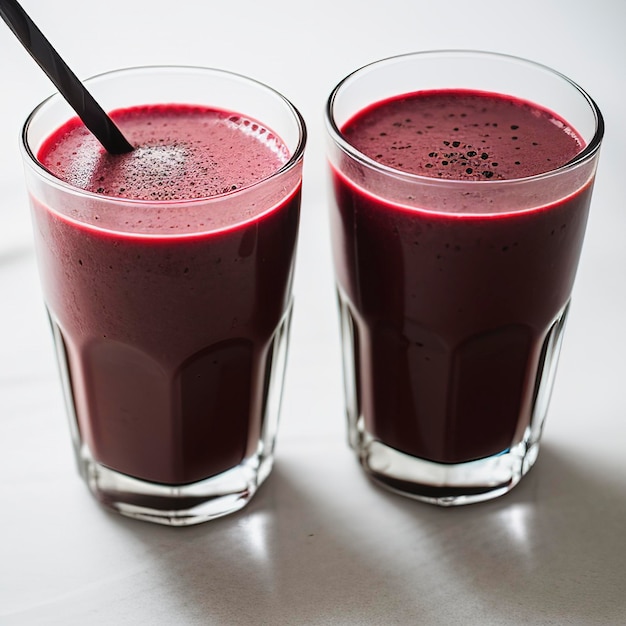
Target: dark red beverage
(168,320)
(452,298)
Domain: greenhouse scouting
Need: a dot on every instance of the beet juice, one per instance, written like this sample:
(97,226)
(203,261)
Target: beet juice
(168,283)
(457,319)
(453,285)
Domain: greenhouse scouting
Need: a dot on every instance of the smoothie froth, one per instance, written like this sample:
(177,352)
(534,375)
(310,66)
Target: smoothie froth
(181,152)
(463,135)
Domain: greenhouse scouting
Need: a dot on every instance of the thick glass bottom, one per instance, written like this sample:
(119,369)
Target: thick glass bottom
(179,505)
(442,483)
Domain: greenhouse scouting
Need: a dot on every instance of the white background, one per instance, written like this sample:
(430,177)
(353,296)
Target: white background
(320,544)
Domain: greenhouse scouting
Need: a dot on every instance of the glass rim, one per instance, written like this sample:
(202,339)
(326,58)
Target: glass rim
(585,155)
(294,158)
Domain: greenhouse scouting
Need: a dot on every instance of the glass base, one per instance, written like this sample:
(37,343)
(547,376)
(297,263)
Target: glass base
(176,505)
(442,483)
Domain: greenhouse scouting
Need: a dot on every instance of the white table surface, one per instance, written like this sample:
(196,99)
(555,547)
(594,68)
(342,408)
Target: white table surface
(320,544)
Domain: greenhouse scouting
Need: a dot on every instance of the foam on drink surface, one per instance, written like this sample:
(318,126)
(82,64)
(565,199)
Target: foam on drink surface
(463,135)
(181,152)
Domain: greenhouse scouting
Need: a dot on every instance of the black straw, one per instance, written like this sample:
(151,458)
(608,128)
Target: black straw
(76,94)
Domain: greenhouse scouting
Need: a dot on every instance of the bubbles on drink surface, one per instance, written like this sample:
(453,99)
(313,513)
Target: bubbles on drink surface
(181,152)
(453,134)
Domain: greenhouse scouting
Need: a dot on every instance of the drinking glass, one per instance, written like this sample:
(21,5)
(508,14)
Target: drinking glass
(171,317)
(453,294)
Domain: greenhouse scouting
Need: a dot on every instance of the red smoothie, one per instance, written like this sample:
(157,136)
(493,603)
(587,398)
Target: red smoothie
(447,351)
(168,323)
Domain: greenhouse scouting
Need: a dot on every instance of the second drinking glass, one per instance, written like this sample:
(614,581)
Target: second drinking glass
(462,183)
